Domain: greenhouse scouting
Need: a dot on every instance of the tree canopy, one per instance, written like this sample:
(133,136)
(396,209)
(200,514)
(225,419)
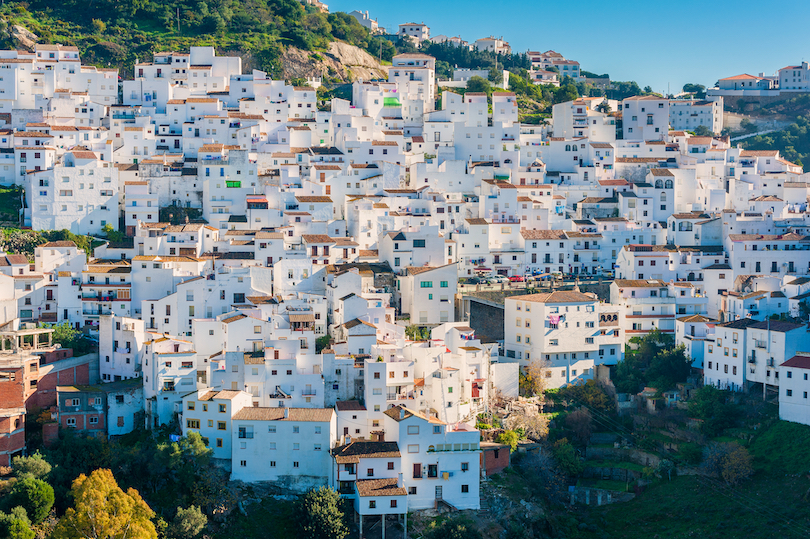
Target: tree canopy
(319,515)
(103,511)
(652,361)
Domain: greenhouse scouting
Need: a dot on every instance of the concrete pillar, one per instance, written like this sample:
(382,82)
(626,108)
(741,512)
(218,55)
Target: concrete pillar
(573,498)
(405,533)
(361,526)
(382,522)
(599,498)
(587,497)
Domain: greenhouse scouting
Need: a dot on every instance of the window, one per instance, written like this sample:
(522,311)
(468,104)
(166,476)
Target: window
(465,489)
(465,466)
(220,425)
(413,429)
(393,503)
(372,504)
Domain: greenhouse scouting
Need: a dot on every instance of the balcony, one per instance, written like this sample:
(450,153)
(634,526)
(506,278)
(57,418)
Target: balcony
(96,312)
(763,345)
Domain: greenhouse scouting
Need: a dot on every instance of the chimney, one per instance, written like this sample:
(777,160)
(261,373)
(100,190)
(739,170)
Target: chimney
(286,413)
(401,413)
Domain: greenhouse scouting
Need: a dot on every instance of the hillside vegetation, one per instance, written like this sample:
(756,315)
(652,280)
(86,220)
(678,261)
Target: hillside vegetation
(120,32)
(792,142)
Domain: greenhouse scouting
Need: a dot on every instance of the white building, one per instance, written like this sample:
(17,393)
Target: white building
(793,388)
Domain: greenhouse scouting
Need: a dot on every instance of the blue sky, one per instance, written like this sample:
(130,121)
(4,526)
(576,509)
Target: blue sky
(653,43)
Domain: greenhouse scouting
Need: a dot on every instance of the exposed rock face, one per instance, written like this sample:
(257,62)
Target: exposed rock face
(24,37)
(347,62)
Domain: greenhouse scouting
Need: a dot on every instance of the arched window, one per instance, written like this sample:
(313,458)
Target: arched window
(431,448)
(567,147)
(663,197)
(659,184)
(668,184)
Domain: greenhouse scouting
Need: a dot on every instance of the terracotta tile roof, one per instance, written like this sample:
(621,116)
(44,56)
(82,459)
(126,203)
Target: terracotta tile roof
(318,415)
(639,283)
(379,487)
(558,296)
(399,413)
(542,234)
(800,361)
(313,199)
(354,451)
(349,406)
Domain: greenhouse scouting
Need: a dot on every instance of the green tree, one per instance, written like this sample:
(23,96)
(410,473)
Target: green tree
(99,26)
(714,408)
(668,368)
(703,131)
(510,438)
(188,523)
(322,343)
(565,455)
(33,495)
(480,85)
(34,466)
(16,525)
(452,528)
(698,89)
(65,335)
(495,77)
(318,515)
(112,234)
(103,511)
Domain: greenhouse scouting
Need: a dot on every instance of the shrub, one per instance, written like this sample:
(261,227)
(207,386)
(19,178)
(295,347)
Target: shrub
(33,495)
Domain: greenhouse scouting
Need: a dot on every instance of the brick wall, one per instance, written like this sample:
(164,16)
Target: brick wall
(68,375)
(12,437)
(12,422)
(494,460)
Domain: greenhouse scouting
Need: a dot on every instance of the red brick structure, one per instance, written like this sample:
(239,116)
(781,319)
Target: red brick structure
(83,408)
(66,372)
(19,375)
(494,457)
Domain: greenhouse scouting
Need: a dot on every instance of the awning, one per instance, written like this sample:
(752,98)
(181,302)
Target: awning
(302,317)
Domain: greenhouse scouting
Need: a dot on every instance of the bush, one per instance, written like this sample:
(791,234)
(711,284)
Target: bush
(566,457)
(34,466)
(729,461)
(16,525)
(33,495)
(188,523)
(453,528)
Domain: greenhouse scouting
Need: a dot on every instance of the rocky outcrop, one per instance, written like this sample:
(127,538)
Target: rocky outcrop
(23,37)
(344,61)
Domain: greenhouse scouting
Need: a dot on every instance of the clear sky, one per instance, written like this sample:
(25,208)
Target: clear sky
(654,43)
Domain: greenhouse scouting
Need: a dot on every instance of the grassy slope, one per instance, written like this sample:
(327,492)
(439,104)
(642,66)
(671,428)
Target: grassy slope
(10,204)
(690,507)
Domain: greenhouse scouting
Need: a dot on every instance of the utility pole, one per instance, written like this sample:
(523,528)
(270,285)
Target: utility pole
(178,20)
